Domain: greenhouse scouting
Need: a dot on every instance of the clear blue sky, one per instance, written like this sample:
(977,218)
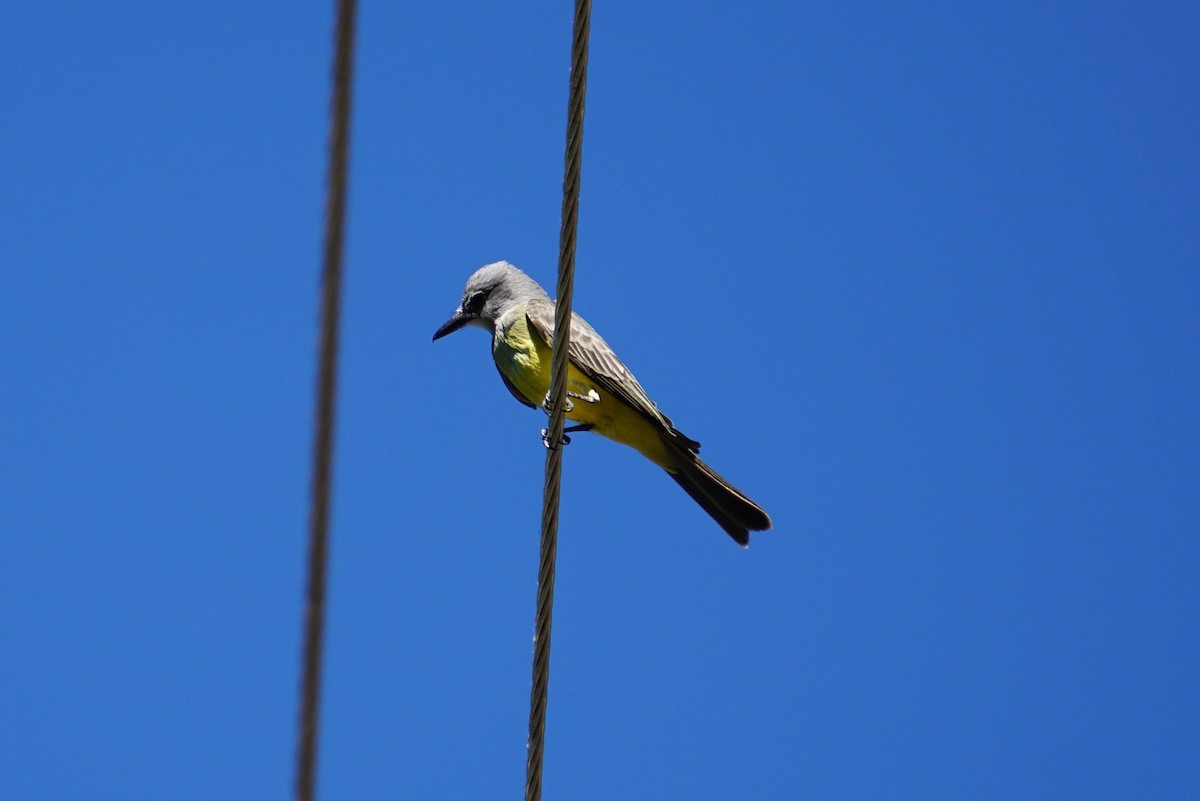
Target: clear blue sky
(924,279)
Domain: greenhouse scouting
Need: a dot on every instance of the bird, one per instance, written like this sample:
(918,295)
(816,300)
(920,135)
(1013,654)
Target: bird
(602,394)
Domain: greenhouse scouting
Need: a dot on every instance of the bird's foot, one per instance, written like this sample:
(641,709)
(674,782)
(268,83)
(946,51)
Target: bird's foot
(591,397)
(568,430)
(548,404)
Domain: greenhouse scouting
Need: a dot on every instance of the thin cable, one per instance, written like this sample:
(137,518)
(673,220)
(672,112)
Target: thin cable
(322,470)
(558,394)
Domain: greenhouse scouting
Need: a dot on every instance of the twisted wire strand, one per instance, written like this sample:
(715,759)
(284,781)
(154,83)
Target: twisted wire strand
(322,470)
(558,389)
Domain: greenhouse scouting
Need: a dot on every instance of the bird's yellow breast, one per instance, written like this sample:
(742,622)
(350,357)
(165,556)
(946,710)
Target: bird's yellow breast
(524,359)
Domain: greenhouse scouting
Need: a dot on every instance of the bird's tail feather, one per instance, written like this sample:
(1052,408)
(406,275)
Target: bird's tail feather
(725,503)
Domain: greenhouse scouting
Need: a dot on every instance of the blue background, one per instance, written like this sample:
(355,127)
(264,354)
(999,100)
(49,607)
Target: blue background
(923,278)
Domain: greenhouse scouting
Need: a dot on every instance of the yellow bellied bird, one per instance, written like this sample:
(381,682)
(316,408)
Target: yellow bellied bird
(603,395)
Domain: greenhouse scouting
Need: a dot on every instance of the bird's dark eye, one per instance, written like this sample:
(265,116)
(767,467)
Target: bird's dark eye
(474,303)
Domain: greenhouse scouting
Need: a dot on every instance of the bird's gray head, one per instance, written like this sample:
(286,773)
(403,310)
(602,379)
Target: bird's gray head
(491,291)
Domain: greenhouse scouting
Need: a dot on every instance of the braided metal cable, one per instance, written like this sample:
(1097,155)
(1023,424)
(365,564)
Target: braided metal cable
(558,397)
(322,471)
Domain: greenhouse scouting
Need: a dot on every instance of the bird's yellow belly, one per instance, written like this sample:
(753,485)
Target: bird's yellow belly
(525,361)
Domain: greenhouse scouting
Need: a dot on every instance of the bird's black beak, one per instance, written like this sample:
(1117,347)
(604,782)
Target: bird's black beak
(456,321)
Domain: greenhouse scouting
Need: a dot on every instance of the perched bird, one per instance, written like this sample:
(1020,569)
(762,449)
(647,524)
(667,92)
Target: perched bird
(603,396)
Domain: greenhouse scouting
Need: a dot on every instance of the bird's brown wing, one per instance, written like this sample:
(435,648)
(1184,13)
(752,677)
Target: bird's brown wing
(592,356)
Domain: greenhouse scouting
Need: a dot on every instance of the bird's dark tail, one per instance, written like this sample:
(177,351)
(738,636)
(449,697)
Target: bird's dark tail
(725,503)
